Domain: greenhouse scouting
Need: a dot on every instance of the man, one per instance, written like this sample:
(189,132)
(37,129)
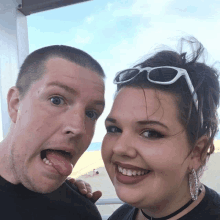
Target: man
(58,97)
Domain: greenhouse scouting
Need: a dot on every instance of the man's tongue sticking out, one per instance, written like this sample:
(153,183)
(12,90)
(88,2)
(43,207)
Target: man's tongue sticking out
(60,162)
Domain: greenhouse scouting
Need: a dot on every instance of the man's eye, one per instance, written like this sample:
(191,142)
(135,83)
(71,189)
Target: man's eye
(113,129)
(56,100)
(152,134)
(92,115)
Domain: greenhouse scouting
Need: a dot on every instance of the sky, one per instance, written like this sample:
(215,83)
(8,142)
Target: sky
(119,33)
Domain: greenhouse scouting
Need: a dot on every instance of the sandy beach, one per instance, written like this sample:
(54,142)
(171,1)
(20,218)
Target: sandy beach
(84,171)
(88,161)
(93,160)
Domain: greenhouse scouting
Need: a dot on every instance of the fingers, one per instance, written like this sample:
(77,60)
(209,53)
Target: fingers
(89,190)
(84,188)
(71,180)
(96,195)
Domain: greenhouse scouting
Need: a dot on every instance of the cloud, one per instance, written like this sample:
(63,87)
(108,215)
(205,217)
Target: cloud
(82,40)
(199,9)
(147,40)
(147,8)
(143,8)
(90,19)
(157,9)
(109,6)
(81,36)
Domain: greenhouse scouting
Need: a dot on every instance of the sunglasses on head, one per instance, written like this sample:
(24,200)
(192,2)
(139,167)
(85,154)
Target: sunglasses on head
(163,75)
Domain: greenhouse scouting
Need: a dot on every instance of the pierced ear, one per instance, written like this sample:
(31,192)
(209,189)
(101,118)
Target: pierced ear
(197,156)
(13,103)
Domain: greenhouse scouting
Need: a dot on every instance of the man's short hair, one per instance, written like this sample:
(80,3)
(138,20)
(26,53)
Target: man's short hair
(33,67)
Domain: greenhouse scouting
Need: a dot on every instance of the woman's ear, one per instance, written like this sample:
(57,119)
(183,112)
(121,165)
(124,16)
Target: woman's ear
(198,156)
(13,103)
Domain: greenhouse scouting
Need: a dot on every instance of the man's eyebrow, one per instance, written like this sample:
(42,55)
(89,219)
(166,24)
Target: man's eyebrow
(61,85)
(147,122)
(102,103)
(73,91)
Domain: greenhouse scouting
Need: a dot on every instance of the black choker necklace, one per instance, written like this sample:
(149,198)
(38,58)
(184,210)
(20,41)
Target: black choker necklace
(171,215)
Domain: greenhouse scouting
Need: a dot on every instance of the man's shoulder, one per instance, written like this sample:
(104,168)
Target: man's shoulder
(124,212)
(66,193)
(67,197)
(64,203)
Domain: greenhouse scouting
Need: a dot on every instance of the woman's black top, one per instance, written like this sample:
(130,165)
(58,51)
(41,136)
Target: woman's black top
(207,209)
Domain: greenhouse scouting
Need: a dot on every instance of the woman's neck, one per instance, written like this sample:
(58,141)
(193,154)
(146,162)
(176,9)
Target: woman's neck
(158,213)
(168,206)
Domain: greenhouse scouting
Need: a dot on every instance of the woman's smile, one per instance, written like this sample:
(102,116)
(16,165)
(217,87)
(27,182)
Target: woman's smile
(129,174)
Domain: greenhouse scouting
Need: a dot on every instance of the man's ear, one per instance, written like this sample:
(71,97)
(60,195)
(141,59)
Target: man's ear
(197,157)
(13,103)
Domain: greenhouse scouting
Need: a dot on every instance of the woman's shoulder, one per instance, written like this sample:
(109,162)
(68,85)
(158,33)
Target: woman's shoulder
(124,212)
(212,197)
(208,208)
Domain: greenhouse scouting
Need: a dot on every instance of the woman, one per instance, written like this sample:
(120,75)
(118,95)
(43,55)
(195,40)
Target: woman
(160,134)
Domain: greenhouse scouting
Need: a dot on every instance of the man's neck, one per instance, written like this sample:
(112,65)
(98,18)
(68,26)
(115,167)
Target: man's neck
(6,168)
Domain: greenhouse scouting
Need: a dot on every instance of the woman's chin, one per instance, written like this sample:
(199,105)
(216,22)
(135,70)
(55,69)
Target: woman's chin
(132,199)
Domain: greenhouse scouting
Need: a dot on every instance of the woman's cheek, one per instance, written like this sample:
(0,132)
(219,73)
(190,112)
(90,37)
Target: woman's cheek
(105,149)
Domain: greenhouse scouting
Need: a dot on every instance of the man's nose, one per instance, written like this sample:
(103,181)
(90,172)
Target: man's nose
(125,146)
(75,122)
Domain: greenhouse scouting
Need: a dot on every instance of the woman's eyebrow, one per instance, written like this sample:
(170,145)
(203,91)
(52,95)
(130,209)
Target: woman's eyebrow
(151,122)
(142,122)
(112,120)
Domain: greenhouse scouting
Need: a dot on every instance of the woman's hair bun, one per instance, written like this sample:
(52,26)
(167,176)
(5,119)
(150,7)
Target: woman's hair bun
(183,57)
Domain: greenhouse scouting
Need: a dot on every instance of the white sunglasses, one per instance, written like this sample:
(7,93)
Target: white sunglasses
(163,75)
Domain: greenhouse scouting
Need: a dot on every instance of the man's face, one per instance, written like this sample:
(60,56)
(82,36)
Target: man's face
(56,121)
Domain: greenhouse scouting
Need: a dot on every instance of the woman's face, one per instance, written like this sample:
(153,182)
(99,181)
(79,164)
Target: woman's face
(146,147)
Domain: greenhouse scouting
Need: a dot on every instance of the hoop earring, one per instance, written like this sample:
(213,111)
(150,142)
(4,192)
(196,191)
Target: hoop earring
(193,185)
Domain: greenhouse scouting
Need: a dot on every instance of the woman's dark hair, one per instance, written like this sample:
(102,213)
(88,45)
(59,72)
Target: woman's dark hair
(205,81)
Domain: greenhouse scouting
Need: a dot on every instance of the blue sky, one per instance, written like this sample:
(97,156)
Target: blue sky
(119,33)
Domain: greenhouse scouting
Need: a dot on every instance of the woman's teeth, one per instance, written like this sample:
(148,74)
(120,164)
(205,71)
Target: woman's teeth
(46,161)
(128,172)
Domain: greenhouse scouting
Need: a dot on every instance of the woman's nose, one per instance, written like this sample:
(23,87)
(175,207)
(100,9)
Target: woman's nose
(125,146)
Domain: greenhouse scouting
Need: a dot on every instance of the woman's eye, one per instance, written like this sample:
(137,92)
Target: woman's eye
(113,129)
(152,134)
(92,115)
(56,100)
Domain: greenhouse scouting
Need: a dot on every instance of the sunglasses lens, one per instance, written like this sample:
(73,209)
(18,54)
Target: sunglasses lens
(162,74)
(126,75)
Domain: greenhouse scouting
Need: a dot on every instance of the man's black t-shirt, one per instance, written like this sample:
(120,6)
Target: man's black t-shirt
(207,209)
(19,203)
